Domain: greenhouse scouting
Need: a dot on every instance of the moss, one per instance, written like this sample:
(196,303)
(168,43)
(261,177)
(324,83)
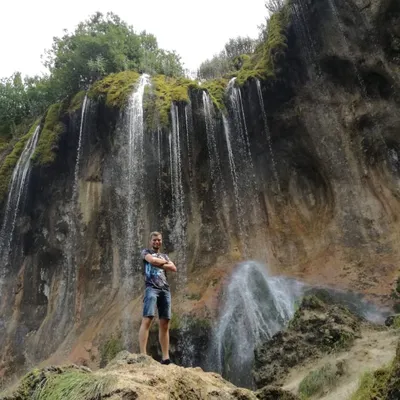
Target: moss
(216,89)
(9,163)
(45,152)
(396,322)
(165,90)
(262,64)
(76,102)
(115,88)
(29,383)
(373,385)
(110,349)
(318,381)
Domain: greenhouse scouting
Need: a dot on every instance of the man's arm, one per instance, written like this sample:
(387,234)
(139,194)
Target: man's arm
(169,266)
(157,262)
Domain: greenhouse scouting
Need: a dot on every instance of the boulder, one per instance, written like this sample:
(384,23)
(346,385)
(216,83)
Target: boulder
(317,328)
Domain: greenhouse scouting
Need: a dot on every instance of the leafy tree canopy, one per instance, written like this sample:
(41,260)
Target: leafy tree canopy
(228,60)
(98,47)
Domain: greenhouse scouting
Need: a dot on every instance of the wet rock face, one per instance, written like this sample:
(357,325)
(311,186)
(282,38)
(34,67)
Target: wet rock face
(324,207)
(316,328)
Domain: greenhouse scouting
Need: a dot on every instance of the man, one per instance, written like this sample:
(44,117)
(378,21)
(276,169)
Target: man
(157,293)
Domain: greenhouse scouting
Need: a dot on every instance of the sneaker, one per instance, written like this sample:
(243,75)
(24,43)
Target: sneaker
(166,362)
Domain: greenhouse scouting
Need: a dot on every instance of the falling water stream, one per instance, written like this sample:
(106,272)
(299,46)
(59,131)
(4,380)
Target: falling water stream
(134,175)
(268,133)
(235,181)
(19,180)
(255,307)
(178,234)
(217,181)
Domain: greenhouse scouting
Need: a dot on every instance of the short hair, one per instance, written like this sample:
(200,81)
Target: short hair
(155,233)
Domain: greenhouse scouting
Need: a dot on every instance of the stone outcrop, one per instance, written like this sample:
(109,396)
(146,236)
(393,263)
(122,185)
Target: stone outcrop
(131,377)
(317,328)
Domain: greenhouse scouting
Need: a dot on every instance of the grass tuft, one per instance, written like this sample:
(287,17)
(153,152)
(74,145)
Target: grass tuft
(318,381)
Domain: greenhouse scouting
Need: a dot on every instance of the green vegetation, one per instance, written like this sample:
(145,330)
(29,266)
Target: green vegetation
(45,152)
(216,89)
(227,60)
(318,381)
(262,63)
(396,322)
(100,46)
(396,296)
(247,58)
(76,102)
(110,349)
(73,385)
(9,163)
(115,88)
(62,383)
(373,385)
(165,91)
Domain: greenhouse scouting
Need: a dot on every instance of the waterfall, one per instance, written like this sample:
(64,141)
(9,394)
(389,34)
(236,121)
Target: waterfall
(85,105)
(217,181)
(236,104)
(253,220)
(268,133)
(255,307)
(19,180)
(189,133)
(235,181)
(299,8)
(134,174)
(178,235)
(159,177)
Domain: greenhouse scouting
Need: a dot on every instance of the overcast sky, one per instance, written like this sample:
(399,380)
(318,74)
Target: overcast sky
(195,29)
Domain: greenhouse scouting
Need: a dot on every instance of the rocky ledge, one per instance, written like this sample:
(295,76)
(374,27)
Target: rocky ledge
(317,328)
(130,377)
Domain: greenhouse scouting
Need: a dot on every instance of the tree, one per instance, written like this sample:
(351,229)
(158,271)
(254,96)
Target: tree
(102,45)
(239,46)
(227,60)
(14,104)
(274,6)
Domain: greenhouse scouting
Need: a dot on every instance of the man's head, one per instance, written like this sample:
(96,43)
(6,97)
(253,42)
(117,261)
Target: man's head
(155,240)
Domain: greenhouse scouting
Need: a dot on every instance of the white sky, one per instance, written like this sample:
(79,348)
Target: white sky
(195,29)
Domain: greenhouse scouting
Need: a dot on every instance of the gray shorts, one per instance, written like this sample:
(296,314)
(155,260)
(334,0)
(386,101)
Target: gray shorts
(157,297)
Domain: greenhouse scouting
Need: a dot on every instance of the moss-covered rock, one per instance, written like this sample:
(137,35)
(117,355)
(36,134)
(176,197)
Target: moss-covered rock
(262,64)
(56,383)
(216,89)
(9,163)
(76,102)
(316,328)
(115,88)
(163,92)
(47,146)
(128,377)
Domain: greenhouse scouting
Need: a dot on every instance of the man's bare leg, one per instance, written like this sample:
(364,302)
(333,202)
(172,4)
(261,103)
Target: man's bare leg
(144,333)
(163,336)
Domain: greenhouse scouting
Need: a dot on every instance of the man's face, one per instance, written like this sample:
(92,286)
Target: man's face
(156,242)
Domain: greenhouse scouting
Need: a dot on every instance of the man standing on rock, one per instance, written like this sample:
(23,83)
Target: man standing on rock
(157,293)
